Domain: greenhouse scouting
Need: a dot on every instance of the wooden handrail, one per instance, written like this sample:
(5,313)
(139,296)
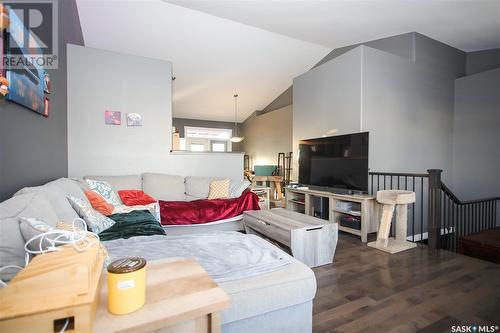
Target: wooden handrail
(447,190)
(398,174)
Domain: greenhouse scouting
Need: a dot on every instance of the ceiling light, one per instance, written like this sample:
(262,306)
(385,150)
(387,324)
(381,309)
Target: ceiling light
(235,138)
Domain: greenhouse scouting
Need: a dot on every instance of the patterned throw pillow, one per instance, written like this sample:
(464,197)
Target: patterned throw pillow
(219,189)
(95,220)
(69,226)
(104,189)
(31,227)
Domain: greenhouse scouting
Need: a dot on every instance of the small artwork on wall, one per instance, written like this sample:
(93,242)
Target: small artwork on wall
(134,119)
(25,78)
(112,117)
(46,109)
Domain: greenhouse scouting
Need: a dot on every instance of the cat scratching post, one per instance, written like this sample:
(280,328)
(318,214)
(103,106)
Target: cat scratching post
(391,199)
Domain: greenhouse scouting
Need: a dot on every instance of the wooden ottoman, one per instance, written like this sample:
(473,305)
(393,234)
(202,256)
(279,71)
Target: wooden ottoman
(311,240)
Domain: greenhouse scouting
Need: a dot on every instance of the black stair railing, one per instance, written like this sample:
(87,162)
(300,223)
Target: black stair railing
(463,218)
(417,212)
(437,217)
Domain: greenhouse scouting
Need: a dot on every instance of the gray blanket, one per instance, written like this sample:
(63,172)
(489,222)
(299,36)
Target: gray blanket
(224,255)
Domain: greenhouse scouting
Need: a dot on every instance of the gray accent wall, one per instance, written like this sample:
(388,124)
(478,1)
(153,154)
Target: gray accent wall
(33,149)
(284,99)
(439,56)
(402,45)
(476,136)
(413,46)
(100,80)
(268,134)
(480,61)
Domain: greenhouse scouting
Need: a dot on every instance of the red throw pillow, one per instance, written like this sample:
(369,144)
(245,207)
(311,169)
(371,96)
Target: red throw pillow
(99,203)
(135,197)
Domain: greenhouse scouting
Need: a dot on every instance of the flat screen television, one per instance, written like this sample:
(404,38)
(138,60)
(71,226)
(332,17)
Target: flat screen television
(339,163)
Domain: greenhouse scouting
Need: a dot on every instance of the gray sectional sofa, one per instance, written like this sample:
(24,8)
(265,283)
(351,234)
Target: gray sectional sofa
(279,301)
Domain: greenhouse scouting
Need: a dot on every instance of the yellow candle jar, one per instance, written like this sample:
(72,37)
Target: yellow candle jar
(126,285)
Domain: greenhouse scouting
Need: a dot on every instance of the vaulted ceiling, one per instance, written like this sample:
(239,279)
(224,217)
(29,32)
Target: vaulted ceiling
(212,57)
(256,48)
(469,25)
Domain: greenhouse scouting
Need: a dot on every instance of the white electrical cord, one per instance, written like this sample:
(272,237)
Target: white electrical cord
(61,237)
(3,284)
(77,237)
(65,326)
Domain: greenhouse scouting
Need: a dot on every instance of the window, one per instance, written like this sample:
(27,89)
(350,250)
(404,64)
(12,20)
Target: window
(201,139)
(221,134)
(219,146)
(197,147)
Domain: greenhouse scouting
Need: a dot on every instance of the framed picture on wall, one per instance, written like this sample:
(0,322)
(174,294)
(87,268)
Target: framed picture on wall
(26,80)
(134,119)
(112,117)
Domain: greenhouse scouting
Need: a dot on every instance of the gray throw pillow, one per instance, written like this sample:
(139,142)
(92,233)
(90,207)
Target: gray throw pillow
(31,227)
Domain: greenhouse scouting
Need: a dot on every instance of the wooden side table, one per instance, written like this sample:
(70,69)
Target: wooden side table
(274,183)
(180,297)
(264,194)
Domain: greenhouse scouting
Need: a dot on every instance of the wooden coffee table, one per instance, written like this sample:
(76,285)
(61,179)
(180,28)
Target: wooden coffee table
(180,297)
(311,240)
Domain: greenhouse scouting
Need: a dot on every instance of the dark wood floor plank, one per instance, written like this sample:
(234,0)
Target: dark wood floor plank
(366,290)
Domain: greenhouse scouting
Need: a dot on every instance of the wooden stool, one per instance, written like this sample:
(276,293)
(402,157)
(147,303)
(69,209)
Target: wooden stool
(400,200)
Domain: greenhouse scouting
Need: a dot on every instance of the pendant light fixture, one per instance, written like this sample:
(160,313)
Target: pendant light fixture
(235,138)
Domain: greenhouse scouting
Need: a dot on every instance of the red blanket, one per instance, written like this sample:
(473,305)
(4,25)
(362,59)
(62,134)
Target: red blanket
(204,211)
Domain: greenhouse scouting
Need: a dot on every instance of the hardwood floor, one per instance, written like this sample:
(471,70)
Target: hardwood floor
(366,290)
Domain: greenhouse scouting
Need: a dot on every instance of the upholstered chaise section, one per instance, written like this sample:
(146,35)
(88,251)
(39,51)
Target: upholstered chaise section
(282,292)
(56,193)
(11,241)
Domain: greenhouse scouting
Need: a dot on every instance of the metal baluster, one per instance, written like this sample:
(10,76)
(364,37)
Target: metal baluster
(422,211)
(413,214)
(371,177)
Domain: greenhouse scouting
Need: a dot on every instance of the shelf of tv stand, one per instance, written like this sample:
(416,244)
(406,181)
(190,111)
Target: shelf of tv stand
(368,214)
(347,212)
(350,230)
(297,202)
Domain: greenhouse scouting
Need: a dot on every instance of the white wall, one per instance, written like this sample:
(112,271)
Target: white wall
(327,97)
(408,110)
(100,80)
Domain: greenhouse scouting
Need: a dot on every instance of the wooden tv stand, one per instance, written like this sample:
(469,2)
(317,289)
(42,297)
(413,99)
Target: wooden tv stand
(301,200)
